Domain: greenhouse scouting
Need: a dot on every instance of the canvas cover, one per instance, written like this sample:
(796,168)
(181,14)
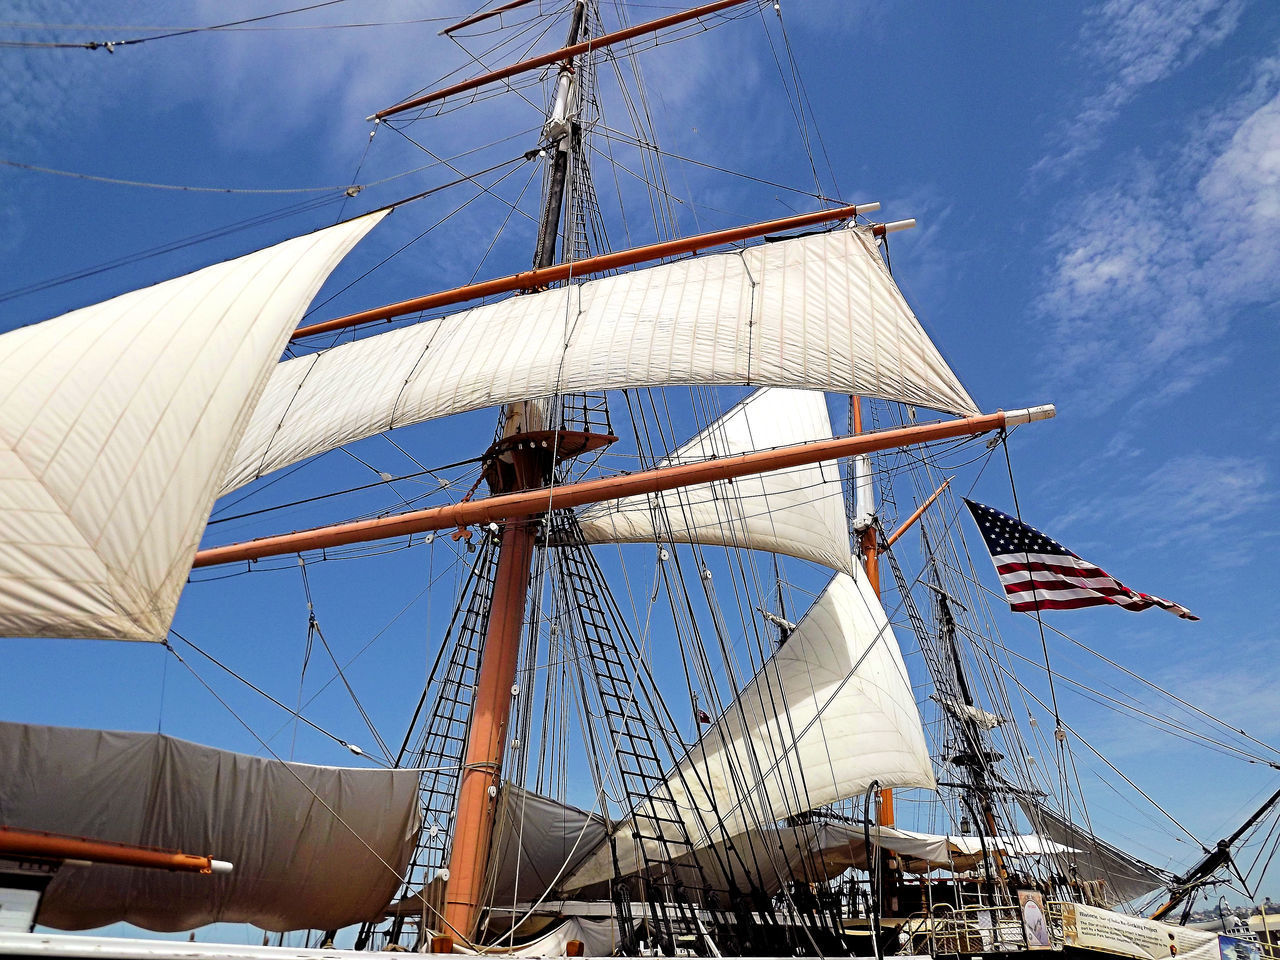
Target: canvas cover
(116,423)
(312,847)
(537,842)
(819,312)
(797,512)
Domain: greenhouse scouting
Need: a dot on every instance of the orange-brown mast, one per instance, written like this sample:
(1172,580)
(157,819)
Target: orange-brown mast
(538,278)
(556,56)
(491,706)
(526,503)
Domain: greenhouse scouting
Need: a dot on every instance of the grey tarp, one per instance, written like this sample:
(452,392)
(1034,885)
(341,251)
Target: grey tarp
(538,842)
(312,846)
(1124,877)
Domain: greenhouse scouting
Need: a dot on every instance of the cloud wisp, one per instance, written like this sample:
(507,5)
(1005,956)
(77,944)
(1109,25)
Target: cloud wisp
(1151,268)
(1135,44)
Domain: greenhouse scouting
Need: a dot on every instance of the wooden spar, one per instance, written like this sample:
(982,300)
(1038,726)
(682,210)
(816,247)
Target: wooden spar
(564,53)
(26,843)
(906,524)
(526,503)
(535,279)
(481,17)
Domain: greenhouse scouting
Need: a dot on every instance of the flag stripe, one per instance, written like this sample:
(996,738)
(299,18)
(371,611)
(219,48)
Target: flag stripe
(1038,573)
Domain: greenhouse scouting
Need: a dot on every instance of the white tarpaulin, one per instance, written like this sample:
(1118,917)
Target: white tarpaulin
(116,422)
(827,714)
(819,312)
(797,512)
(312,847)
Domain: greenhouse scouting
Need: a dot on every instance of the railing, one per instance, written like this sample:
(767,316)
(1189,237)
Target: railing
(976,929)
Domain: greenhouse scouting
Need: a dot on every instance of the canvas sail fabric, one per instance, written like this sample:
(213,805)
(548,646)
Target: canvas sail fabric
(1123,876)
(768,858)
(797,512)
(819,312)
(311,846)
(116,422)
(830,712)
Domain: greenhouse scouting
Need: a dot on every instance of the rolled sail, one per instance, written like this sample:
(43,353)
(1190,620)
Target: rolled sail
(797,512)
(830,712)
(818,312)
(312,847)
(116,422)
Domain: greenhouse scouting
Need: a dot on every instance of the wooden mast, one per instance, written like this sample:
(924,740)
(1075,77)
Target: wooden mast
(869,548)
(515,464)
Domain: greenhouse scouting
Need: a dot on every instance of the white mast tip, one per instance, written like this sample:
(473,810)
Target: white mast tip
(1046,411)
(220,866)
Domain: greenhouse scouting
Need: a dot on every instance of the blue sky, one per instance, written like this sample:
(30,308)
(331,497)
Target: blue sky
(1098,191)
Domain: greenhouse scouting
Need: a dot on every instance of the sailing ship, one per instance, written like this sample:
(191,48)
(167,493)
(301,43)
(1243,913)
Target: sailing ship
(668,711)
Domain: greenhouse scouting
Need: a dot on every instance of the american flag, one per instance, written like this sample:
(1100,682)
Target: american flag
(1042,574)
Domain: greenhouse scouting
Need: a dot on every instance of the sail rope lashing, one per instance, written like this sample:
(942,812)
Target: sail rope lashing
(608,134)
(287,766)
(314,630)
(350,747)
(342,190)
(1112,766)
(293,210)
(485,190)
(111,45)
(360,488)
(355,187)
(798,99)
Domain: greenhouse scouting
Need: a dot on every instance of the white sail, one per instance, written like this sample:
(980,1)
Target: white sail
(797,512)
(819,312)
(829,713)
(116,422)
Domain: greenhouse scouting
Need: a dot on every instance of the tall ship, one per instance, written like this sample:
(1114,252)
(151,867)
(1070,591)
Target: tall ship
(663,531)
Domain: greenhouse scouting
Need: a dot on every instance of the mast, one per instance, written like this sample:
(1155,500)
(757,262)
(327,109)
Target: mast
(867,530)
(514,465)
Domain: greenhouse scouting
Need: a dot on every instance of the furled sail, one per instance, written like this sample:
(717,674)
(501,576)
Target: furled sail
(819,312)
(830,712)
(117,420)
(1123,877)
(797,512)
(312,846)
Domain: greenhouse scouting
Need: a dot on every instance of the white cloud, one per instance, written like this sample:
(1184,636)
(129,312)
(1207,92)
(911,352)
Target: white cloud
(1134,44)
(1150,268)
(1219,503)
